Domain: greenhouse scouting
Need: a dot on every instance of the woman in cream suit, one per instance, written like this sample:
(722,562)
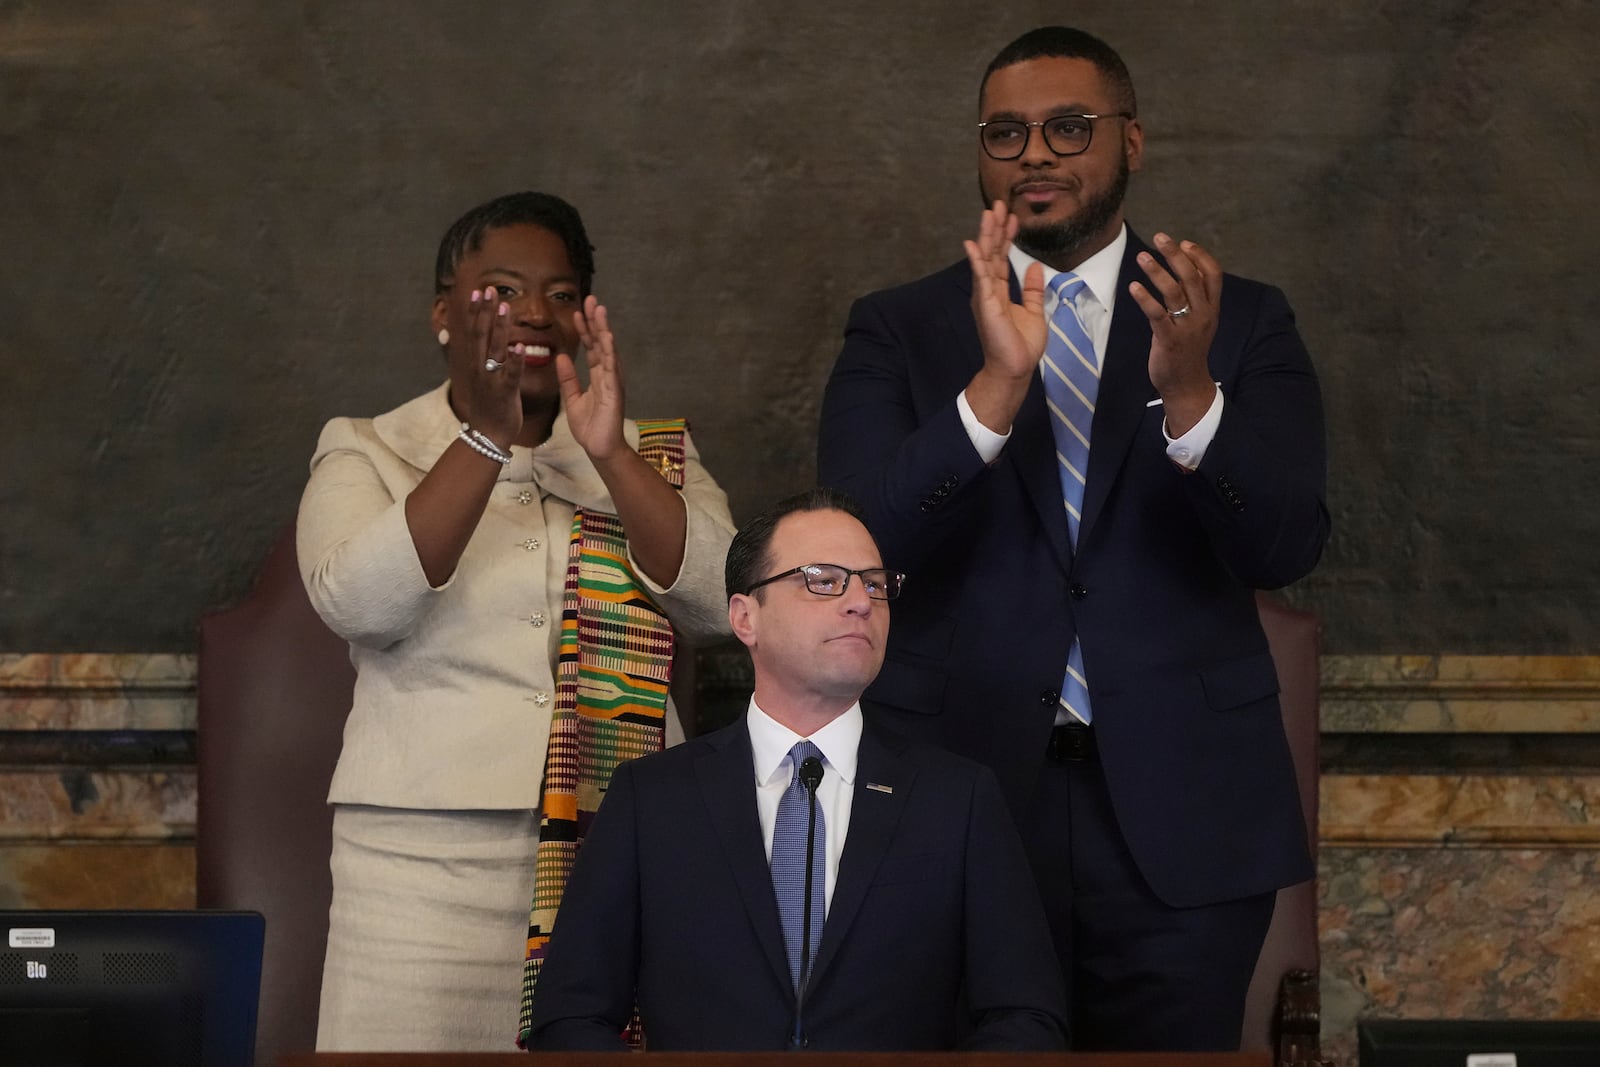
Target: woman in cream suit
(436,539)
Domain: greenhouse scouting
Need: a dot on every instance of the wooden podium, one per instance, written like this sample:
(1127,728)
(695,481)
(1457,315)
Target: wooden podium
(781,1059)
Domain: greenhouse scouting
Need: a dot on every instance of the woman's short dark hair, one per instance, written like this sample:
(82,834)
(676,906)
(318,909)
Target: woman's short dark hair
(516,209)
(747,555)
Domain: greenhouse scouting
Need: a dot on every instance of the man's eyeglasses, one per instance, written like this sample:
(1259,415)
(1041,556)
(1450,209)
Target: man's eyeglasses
(830,579)
(1067,135)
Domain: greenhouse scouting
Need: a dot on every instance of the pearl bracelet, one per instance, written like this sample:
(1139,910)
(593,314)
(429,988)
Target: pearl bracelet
(483,445)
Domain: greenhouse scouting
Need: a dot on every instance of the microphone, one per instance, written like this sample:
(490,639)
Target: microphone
(810,777)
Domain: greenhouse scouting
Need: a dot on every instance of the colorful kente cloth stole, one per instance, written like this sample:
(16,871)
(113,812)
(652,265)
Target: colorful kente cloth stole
(611,695)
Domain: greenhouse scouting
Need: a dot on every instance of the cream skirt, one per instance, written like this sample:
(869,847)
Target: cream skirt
(427,930)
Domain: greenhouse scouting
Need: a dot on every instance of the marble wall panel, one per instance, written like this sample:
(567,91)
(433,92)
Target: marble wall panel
(1461,694)
(97,781)
(78,804)
(97,874)
(96,691)
(1484,811)
(1457,933)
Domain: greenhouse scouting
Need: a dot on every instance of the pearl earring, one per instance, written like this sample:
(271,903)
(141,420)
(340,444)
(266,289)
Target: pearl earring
(444,336)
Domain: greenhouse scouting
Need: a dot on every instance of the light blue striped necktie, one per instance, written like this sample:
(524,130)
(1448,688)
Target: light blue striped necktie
(1071,383)
(789,864)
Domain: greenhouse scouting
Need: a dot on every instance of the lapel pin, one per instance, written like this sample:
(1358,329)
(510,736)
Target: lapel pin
(880,788)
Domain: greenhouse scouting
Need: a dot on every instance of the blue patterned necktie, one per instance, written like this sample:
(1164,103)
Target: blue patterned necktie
(789,864)
(1071,383)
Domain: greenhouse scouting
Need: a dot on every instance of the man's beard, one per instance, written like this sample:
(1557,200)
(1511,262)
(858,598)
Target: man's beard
(1057,243)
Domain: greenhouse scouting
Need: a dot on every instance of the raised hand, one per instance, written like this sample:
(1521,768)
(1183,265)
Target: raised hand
(487,374)
(652,511)
(595,413)
(1183,321)
(1012,335)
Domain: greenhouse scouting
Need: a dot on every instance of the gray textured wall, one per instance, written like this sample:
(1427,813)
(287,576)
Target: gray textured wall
(218,225)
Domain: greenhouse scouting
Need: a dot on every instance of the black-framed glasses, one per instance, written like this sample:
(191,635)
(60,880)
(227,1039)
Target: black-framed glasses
(830,579)
(1066,135)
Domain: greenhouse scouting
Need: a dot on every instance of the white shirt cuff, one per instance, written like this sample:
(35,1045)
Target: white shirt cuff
(1187,451)
(985,441)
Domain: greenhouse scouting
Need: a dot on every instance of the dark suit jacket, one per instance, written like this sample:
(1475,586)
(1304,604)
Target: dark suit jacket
(934,909)
(1159,589)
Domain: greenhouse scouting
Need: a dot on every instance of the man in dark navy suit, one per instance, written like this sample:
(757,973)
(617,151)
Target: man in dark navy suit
(689,893)
(1091,451)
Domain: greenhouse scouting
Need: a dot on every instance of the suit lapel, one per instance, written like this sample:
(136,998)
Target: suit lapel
(874,814)
(1124,389)
(727,783)
(1032,451)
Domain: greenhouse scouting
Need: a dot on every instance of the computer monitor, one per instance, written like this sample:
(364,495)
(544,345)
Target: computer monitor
(1478,1042)
(168,988)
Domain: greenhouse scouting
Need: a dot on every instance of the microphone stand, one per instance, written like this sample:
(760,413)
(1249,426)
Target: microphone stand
(810,777)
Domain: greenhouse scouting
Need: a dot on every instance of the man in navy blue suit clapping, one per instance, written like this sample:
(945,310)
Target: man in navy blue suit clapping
(1092,451)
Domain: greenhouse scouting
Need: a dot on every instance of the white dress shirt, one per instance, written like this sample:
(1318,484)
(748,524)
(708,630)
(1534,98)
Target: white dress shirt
(1099,273)
(770,742)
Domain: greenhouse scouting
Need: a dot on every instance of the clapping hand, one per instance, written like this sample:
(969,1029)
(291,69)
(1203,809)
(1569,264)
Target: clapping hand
(492,374)
(595,413)
(1183,321)
(1012,335)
